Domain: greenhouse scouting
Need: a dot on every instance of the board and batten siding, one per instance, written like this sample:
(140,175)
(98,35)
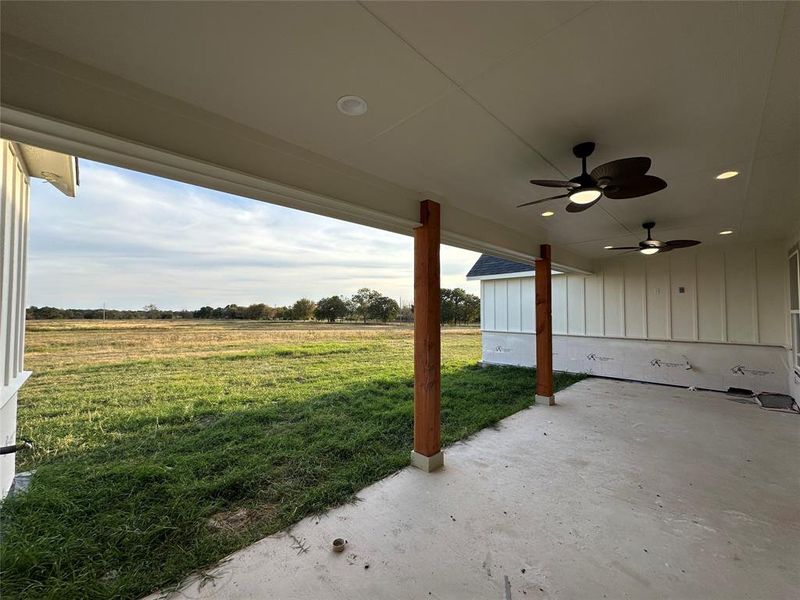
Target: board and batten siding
(735,294)
(723,307)
(14,244)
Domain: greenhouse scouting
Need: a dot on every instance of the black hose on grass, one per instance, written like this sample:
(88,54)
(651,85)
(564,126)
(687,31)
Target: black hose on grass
(23,445)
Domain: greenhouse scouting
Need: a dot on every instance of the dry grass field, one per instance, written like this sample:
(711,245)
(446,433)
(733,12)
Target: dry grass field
(162,446)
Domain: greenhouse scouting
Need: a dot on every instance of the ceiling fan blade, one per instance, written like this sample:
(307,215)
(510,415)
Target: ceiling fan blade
(554,183)
(623,168)
(541,200)
(677,244)
(574,208)
(634,187)
(624,248)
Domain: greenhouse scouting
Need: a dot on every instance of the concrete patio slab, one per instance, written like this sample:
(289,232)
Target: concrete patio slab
(622,490)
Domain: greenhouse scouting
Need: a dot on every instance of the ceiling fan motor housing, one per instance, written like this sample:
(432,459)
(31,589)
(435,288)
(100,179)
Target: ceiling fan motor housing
(650,242)
(583,149)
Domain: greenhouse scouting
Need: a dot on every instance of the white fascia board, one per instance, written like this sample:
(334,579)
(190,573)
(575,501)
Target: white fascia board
(516,275)
(502,276)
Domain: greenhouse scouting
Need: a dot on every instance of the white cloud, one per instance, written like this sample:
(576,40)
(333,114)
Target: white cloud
(129,239)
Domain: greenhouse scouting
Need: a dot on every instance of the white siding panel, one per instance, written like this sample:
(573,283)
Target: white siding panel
(658,311)
(614,299)
(772,291)
(514,304)
(711,295)
(10,309)
(594,304)
(740,294)
(528,305)
(682,275)
(576,305)
(23,261)
(8,437)
(635,298)
(19,300)
(488,305)
(483,305)
(5,254)
(501,305)
(559,296)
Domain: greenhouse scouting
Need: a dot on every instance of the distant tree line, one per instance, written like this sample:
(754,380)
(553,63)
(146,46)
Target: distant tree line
(365,305)
(148,312)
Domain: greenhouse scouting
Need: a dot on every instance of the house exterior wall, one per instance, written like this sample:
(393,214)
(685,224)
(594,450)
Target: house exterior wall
(794,373)
(14,243)
(714,317)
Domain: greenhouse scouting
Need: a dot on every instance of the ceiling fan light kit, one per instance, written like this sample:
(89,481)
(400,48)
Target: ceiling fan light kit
(585,195)
(623,178)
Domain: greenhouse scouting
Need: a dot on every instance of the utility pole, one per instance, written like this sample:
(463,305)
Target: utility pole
(104,311)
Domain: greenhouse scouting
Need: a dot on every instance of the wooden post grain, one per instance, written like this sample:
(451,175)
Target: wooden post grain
(427,331)
(544,328)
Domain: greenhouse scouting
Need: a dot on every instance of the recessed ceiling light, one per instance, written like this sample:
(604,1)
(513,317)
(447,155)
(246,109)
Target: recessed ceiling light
(548,213)
(727,174)
(608,247)
(726,232)
(352,106)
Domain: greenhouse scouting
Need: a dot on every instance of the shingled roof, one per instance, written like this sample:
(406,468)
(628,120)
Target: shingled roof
(491,265)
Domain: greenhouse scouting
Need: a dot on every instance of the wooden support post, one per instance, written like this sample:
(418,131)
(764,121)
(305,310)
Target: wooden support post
(427,453)
(544,329)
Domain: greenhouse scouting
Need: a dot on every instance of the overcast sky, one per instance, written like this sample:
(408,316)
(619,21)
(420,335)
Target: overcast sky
(130,239)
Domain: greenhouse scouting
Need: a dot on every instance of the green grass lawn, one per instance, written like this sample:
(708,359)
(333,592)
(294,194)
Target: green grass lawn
(162,446)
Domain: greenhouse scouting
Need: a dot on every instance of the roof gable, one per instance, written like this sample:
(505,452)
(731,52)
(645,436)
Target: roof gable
(491,265)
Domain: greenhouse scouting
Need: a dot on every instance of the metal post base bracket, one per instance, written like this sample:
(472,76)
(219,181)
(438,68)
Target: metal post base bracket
(427,463)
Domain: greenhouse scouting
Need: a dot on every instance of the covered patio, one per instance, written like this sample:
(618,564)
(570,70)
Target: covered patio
(622,490)
(431,120)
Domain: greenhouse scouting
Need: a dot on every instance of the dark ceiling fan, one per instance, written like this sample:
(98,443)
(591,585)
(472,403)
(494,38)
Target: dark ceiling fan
(651,246)
(623,178)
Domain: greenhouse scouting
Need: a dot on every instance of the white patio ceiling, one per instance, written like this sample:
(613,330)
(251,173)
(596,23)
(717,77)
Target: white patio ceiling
(467,102)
